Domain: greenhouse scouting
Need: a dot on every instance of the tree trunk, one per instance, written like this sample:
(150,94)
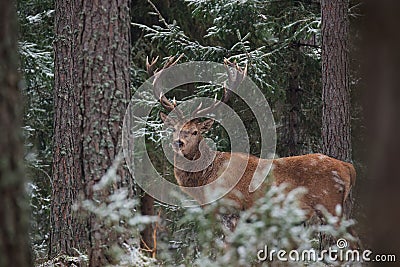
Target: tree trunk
(293,135)
(147,243)
(103,65)
(336,127)
(68,228)
(91,94)
(14,216)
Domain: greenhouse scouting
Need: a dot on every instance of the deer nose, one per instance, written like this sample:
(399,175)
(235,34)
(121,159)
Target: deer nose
(178,143)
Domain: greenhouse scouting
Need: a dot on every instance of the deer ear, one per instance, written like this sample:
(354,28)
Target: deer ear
(168,121)
(206,125)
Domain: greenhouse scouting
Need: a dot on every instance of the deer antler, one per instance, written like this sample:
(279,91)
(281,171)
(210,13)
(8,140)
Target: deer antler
(168,105)
(234,79)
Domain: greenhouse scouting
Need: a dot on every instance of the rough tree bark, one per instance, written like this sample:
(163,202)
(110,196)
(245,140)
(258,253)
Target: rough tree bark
(91,94)
(103,67)
(68,228)
(336,127)
(14,216)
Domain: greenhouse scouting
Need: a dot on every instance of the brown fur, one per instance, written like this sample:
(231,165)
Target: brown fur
(327,180)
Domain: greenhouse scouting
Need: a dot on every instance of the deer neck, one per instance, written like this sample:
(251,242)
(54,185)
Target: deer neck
(194,169)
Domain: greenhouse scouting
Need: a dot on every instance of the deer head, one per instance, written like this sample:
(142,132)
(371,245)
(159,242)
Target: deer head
(187,132)
(187,136)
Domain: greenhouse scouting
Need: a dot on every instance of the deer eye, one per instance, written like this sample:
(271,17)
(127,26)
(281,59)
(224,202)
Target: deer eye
(195,133)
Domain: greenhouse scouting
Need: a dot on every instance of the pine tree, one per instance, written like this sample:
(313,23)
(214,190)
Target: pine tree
(91,94)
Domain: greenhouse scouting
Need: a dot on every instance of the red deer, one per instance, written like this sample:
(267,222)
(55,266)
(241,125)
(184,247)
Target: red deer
(327,180)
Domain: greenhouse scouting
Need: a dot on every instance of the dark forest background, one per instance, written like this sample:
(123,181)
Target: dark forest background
(279,41)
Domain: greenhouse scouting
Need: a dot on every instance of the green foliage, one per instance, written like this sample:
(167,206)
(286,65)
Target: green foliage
(277,40)
(199,238)
(35,49)
(118,215)
(257,33)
